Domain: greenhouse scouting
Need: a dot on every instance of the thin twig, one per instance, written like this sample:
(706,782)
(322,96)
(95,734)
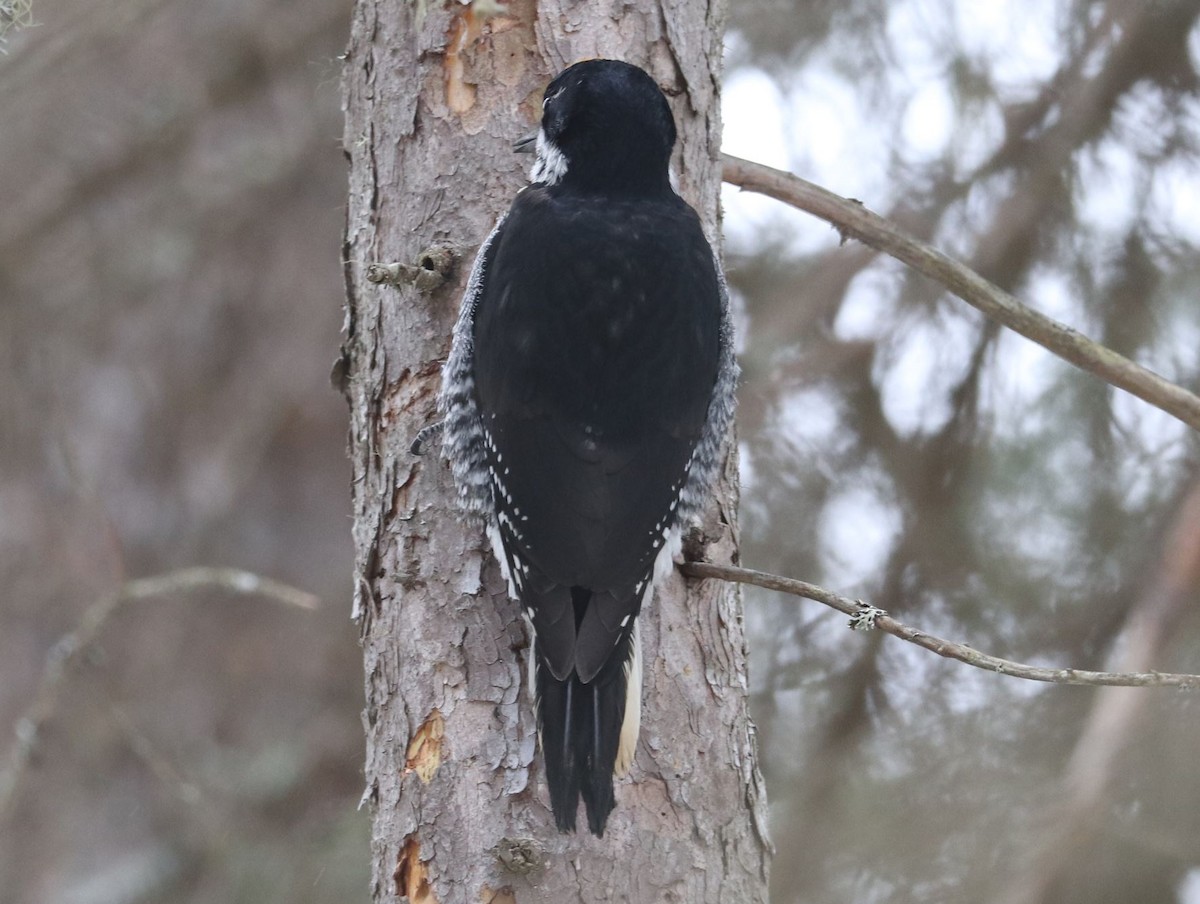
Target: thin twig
(67,650)
(854,220)
(864,616)
(156,761)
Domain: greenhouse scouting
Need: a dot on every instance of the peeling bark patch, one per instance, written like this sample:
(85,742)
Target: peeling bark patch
(411,876)
(412,388)
(464,30)
(401,507)
(425,749)
(505,895)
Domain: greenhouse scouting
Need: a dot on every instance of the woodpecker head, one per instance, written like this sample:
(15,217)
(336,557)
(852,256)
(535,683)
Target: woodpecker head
(605,125)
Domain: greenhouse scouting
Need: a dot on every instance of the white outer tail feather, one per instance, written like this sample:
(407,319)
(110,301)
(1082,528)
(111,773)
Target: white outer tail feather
(632,723)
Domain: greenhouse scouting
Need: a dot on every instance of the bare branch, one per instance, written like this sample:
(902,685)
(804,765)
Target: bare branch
(69,647)
(863,616)
(854,220)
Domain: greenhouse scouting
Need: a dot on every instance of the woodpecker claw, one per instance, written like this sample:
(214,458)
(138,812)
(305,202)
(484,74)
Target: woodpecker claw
(424,435)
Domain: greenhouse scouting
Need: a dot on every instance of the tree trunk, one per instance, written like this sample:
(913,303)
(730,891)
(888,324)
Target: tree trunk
(435,95)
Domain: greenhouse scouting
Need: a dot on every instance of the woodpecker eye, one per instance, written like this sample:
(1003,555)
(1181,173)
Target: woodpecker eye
(550,97)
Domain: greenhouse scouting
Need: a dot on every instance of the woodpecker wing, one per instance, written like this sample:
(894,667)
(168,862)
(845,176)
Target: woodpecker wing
(597,346)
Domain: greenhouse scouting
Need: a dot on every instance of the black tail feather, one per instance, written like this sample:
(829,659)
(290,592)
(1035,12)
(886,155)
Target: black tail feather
(580,727)
(607,713)
(556,713)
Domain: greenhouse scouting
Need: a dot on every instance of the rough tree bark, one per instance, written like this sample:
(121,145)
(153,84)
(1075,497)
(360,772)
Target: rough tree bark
(435,94)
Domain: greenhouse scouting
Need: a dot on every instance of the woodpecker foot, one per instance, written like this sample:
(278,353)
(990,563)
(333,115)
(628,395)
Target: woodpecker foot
(696,543)
(420,445)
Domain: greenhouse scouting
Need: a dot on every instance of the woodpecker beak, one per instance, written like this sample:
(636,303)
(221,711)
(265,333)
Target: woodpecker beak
(526,144)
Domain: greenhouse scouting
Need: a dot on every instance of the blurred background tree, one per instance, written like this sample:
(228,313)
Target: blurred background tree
(171,192)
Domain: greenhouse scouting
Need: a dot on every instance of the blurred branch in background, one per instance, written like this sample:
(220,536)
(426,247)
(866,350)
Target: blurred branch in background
(14,14)
(902,448)
(69,648)
(853,220)
(866,617)
(1116,714)
(170,218)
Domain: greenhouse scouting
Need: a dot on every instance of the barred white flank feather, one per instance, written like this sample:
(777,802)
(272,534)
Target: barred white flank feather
(464,439)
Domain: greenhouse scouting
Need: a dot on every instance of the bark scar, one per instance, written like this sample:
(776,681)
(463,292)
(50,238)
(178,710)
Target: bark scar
(505,895)
(411,876)
(424,754)
(465,30)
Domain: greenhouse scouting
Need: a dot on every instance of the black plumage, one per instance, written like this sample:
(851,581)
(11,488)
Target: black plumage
(591,358)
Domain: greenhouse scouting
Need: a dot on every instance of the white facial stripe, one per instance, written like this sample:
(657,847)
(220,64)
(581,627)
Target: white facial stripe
(550,165)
